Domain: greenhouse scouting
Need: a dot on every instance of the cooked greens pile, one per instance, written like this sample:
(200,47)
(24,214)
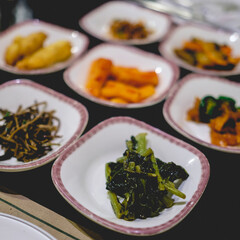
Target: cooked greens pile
(139,184)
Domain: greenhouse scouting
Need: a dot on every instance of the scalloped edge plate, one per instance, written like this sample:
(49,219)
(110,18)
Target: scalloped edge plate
(97,21)
(185,32)
(76,75)
(78,40)
(182,97)
(79,174)
(72,114)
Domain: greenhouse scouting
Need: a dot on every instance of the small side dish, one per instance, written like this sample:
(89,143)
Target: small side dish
(203,49)
(222,116)
(126,23)
(207,55)
(29,53)
(120,84)
(79,174)
(139,184)
(205,109)
(27,134)
(36,124)
(127,76)
(126,30)
(35,47)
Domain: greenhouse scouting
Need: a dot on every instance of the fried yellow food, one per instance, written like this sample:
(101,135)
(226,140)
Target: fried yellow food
(98,73)
(120,84)
(24,46)
(46,56)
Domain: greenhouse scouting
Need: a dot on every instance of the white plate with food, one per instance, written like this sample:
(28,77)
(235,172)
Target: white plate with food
(37,124)
(195,109)
(203,50)
(125,23)
(79,175)
(121,76)
(12,228)
(37,47)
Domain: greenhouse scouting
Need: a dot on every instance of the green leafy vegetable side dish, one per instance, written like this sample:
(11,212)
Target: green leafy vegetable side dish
(139,184)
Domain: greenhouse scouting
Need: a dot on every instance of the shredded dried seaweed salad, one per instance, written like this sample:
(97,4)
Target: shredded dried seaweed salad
(27,134)
(139,184)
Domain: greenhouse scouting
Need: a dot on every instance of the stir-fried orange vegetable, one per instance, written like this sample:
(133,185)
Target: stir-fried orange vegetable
(207,55)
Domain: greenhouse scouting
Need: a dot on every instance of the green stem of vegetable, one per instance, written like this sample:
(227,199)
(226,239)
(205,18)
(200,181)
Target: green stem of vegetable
(172,189)
(141,143)
(167,201)
(147,152)
(107,171)
(159,178)
(116,205)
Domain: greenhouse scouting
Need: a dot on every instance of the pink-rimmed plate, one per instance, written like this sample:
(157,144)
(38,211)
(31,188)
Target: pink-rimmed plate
(76,75)
(54,33)
(79,174)
(73,117)
(182,98)
(98,21)
(177,36)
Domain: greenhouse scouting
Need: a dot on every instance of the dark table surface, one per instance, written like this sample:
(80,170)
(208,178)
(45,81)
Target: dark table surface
(215,215)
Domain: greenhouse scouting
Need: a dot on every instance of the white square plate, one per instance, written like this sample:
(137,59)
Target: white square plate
(73,117)
(182,98)
(185,32)
(54,33)
(76,75)
(79,174)
(98,21)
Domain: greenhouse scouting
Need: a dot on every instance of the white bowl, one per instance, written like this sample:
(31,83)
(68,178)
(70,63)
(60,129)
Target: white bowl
(12,228)
(79,174)
(76,75)
(182,98)
(72,114)
(98,21)
(185,32)
(54,33)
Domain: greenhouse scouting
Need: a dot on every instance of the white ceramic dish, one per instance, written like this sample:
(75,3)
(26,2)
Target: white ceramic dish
(72,114)
(185,32)
(79,174)
(12,228)
(98,21)
(75,76)
(182,97)
(54,33)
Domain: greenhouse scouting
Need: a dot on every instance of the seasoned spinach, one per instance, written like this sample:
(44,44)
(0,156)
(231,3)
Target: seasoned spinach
(139,184)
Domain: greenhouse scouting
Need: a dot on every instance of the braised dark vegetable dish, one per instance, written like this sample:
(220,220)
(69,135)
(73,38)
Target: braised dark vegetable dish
(139,184)
(223,117)
(125,30)
(28,133)
(207,55)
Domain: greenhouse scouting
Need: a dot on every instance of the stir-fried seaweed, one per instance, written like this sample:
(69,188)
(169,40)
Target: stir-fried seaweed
(27,134)
(139,184)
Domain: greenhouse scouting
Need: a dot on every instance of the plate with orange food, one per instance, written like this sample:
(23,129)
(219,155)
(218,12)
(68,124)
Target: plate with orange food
(202,49)
(37,47)
(121,76)
(206,109)
(126,23)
